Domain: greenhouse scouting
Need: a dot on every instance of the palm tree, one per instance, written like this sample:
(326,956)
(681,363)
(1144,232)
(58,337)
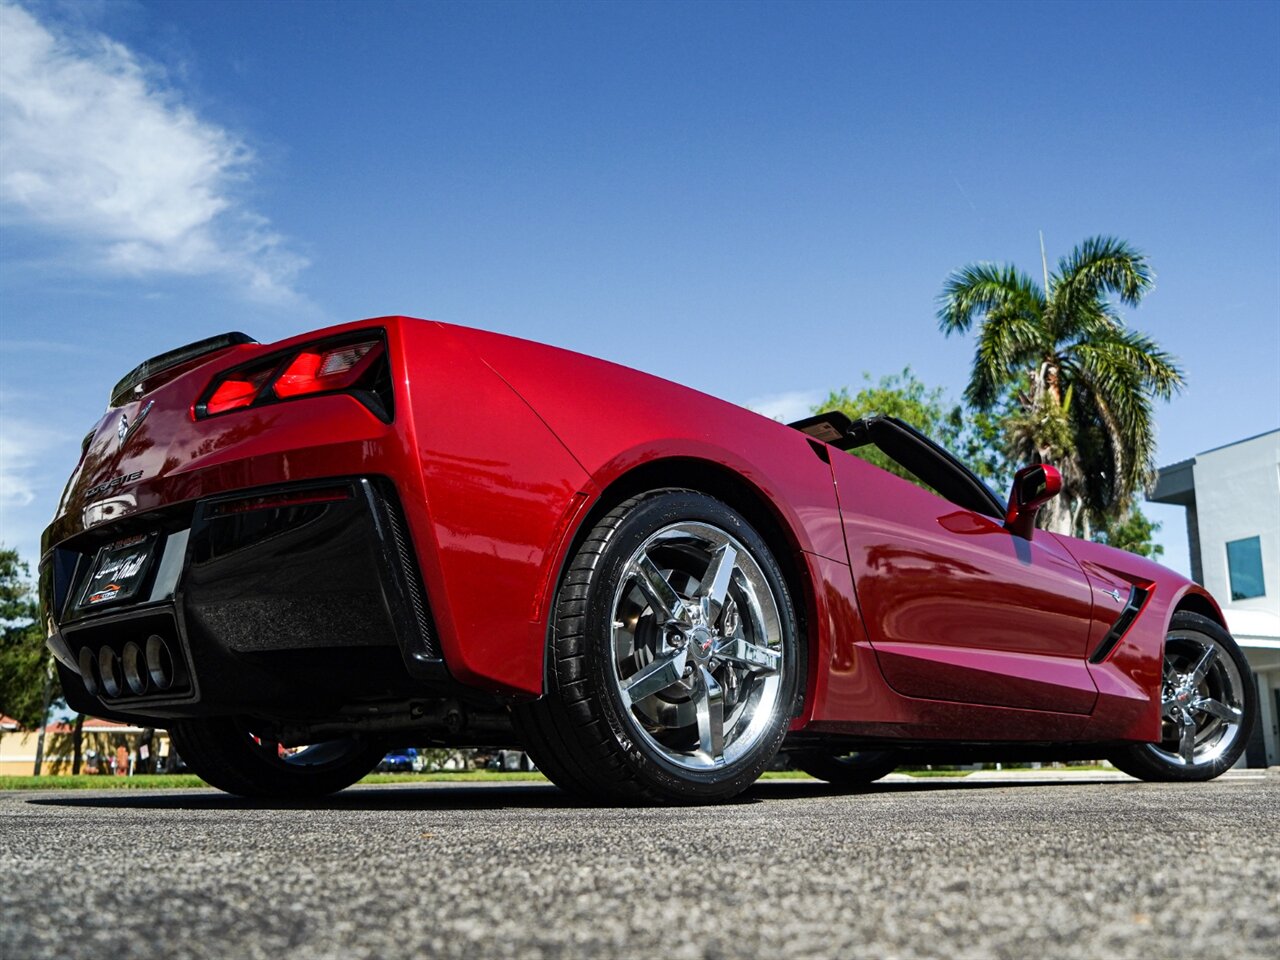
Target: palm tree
(1080,384)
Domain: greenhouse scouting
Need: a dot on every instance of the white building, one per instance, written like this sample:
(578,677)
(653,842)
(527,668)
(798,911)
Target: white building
(1232,497)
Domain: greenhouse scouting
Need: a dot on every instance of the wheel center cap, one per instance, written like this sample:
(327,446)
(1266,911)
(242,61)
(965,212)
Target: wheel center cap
(700,643)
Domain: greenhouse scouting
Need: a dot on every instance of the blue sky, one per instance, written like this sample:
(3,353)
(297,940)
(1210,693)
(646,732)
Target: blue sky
(758,200)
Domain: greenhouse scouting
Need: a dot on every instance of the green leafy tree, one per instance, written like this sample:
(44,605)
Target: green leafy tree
(23,658)
(1083,383)
(973,436)
(1133,532)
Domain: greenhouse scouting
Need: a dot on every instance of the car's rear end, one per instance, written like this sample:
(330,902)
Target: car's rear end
(233,538)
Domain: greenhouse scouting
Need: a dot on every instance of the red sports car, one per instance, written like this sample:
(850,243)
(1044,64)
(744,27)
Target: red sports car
(398,529)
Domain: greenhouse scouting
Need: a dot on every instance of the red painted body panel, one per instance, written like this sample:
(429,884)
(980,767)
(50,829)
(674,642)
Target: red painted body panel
(924,620)
(952,601)
(636,419)
(484,484)
(497,491)
(1129,679)
(178,458)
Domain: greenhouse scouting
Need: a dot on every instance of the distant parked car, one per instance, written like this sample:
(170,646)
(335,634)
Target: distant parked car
(400,761)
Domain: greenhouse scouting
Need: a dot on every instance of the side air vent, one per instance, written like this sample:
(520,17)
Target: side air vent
(1137,597)
(410,608)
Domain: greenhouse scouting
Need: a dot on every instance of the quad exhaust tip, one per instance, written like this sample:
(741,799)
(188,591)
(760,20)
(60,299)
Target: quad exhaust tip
(135,668)
(160,663)
(109,672)
(142,669)
(89,671)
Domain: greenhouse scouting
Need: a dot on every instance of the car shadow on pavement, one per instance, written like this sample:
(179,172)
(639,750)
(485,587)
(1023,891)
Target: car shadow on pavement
(494,796)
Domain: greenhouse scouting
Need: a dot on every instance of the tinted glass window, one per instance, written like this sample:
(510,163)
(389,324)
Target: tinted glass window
(1244,563)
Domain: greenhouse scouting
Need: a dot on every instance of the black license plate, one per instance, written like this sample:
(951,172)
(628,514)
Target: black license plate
(119,571)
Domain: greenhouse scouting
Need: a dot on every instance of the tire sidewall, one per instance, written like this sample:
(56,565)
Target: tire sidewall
(1143,760)
(841,771)
(220,751)
(648,516)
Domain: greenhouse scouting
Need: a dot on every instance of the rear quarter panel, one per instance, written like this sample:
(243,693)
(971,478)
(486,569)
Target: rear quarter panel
(614,419)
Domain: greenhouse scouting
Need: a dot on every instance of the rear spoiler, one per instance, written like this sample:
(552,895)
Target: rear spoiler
(135,379)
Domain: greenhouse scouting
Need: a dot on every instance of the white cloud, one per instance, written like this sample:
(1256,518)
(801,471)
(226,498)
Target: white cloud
(25,448)
(788,406)
(96,146)
(22,442)
(35,459)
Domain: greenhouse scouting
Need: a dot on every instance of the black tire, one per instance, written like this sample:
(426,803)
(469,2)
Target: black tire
(584,736)
(846,770)
(224,754)
(1160,761)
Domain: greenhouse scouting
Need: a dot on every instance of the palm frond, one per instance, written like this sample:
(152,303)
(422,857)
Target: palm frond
(1097,267)
(1096,319)
(1116,391)
(1008,344)
(1157,370)
(981,288)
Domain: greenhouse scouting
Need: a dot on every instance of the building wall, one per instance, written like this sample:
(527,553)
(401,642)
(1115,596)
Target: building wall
(18,749)
(1237,495)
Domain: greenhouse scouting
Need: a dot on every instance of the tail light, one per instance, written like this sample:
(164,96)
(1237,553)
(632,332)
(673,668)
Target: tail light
(322,370)
(354,365)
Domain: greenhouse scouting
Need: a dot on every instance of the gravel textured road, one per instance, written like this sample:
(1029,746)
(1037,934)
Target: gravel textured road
(923,868)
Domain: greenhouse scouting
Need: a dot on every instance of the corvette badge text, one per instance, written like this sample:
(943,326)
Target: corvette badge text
(115,483)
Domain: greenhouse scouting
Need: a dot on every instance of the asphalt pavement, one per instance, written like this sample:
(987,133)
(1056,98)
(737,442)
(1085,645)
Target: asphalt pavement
(1086,867)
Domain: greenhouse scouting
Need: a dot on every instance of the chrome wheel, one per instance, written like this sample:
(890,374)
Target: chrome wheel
(1202,700)
(675,656)
(697,646)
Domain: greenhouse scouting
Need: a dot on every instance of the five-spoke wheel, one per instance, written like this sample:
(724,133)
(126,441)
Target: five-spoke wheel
(1207,706)
(675,658)
(1201,699)
(697,645)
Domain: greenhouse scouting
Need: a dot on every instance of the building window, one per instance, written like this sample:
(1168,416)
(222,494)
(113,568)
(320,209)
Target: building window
(1244,564)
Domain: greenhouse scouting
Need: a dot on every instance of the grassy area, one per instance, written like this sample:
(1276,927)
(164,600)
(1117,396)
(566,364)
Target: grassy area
(457,776)
(471,776)
(180,780)
(90,781)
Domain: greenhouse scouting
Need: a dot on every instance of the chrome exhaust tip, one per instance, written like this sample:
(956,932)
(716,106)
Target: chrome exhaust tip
(89,671)
(160,663)
(109,671)
(135,668)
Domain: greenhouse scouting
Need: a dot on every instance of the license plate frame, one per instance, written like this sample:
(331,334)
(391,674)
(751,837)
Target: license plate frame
(119,571)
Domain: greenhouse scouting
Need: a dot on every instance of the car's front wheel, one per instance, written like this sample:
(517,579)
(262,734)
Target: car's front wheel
(225,753)
(675,657)
(1208,705)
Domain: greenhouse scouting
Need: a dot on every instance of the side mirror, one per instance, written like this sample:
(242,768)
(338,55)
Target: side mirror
(1033,487)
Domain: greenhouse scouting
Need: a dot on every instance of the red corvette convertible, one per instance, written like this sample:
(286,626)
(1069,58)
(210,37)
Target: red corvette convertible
(397,529)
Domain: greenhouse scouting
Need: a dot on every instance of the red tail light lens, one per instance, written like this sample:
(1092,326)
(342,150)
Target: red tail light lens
(316,371)
(355,366)
(236,391)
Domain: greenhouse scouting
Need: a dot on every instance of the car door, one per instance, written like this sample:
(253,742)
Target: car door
(957,607)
